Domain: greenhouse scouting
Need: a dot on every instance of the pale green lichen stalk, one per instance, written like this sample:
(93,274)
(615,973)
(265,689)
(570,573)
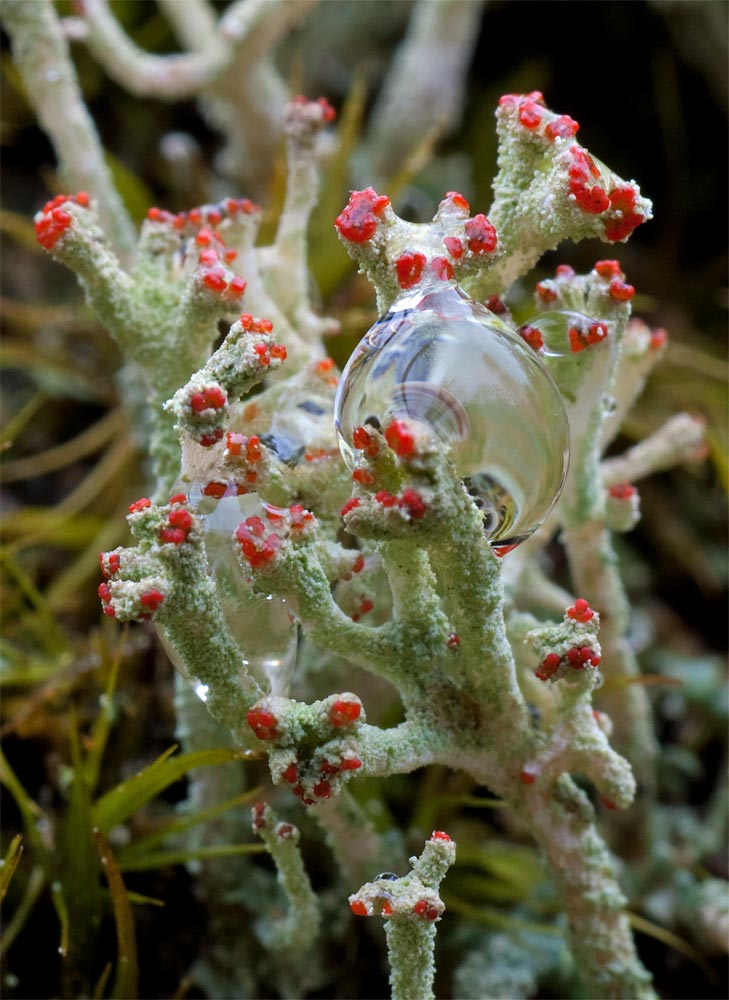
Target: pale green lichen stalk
(245,436)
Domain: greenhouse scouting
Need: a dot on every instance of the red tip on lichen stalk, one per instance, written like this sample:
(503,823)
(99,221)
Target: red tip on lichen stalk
(400,438)
(481,235)
(54,220)
(608,269)
(495,305)
(151,599)
(453,642)
(413,503)
(580,611)
(625,219)
(350,505)
(409,268)
(364,441)
(548,666)
(441,268)
(622,491)
(425,909)
(561,127)
(440,835)
(527,776)
(620,291)
(458,201)
(359,220)
(454,246)
(358,908)
(532,336)
(211,398)
(263,723)
(580,339)
(142,504)
(545,292)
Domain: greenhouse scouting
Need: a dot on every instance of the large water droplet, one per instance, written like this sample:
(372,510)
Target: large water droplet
(443,359)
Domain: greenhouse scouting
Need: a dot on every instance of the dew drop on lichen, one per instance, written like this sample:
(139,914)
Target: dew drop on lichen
(263,625)
(440,358)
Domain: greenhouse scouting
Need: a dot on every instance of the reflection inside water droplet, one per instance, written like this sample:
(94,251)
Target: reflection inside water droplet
(263,625)
(444,360)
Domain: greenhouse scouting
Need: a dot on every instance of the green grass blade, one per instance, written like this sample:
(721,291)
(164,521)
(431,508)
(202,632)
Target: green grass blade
(123,801)
(10,862)
(165,859)
(29,811)
(182,823)
(36,884)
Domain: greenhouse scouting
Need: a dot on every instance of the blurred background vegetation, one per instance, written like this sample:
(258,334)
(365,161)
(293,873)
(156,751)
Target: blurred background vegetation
(86,704)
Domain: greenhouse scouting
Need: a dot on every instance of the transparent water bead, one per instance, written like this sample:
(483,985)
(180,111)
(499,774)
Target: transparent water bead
(264,626)
(443,359)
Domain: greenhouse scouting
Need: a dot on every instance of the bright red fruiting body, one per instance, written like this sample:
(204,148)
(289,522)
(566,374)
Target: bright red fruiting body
(453,641)
(109,610)
(300,517)
(425,909)
(400,439)
(177,498)
(608,269)
(608,803)
(344,712)
(481,235)
(278,351)
(215,490)
(545,292)
(142,504)
(409,268)
(263,723)
(173,536)
(516,100)
(441,268)
(454,246)
(495,305)
(212,398)
(548,666)
(54,220)
(358,564)
(527,776)
(110,563)
(351,504)
(530,114)
(350,764)
(413,503)
(561,127)
(386,499)
(502,550)
(579,657)
(620,291)
(532,336)
(254,325)
(659,338)
(593,199)
(358,908)
(208,440)
(322,789)
(104,592)
(359,220)
(285,831)
(622,491)
(363,441)
(622,204)
(458,201)
(580,611)
(363,476)
(440,835)
(51,227)
(180,518)
(579,340)
(256,549)
(365,606)
(564,271)
(291,774)
(151,599)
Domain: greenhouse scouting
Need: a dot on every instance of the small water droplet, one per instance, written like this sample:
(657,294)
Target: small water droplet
(201,690)
(609,404)
(387,876)
(440,358)
(263,625)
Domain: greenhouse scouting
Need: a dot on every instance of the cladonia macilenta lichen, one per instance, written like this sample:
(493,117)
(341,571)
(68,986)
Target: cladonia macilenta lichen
(467,443)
